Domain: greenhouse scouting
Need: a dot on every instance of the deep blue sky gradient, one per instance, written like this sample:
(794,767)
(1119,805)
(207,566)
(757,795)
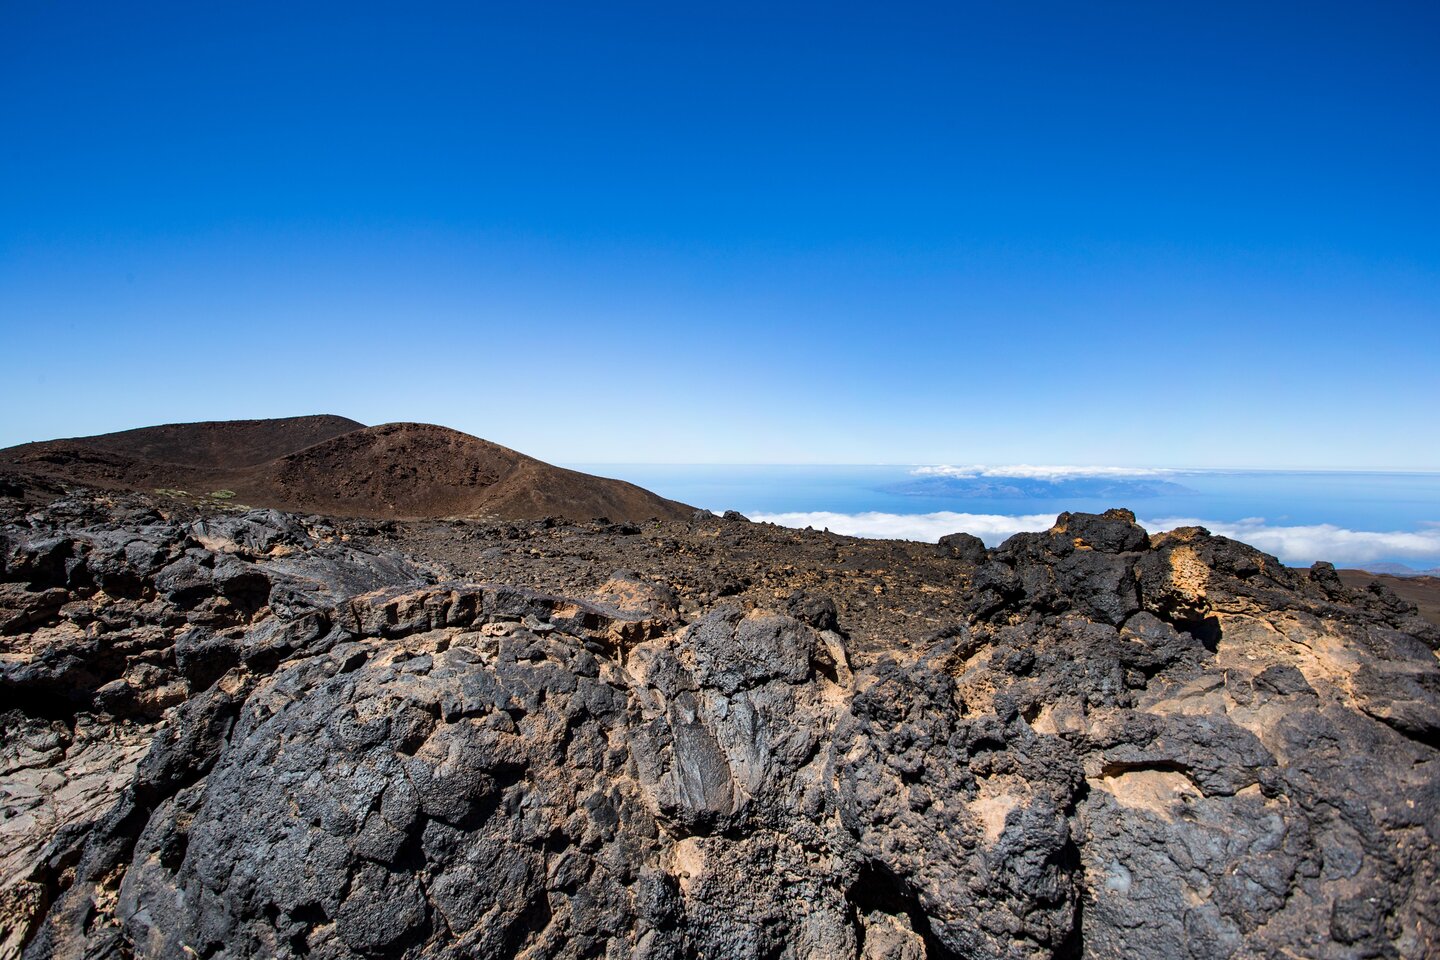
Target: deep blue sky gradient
(1139,234)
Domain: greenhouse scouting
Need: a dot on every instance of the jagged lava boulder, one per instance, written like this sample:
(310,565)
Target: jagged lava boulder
(316,743)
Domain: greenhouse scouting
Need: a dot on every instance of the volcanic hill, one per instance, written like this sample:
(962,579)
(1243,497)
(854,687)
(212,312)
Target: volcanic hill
(336,466)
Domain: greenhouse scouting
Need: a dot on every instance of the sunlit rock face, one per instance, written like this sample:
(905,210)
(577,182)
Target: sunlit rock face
(256,734)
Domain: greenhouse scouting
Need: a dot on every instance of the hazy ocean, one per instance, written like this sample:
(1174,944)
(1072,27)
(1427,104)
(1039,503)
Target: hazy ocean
(1350,518)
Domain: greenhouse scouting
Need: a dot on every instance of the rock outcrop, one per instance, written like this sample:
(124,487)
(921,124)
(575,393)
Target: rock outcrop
(259,734)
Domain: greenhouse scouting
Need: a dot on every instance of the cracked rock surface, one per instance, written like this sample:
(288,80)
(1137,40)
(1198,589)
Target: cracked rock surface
(236,734)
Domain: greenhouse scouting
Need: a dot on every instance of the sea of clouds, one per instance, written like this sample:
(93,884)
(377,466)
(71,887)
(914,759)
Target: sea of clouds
(1293,544)
(1027,471)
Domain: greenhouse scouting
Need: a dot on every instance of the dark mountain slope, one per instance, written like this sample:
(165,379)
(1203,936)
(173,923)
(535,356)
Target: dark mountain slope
(333,465)
(416,470)
(216,444)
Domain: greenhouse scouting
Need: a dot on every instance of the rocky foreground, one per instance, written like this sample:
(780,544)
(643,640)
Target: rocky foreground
(235,734)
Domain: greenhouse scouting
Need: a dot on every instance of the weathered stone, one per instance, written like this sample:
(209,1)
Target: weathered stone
(232,736)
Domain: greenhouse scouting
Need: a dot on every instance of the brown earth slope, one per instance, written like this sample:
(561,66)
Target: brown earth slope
(416,470)
(219,444)
(333,465)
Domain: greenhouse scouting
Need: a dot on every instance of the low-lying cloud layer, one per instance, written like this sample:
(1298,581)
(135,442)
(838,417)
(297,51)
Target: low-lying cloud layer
(990,527)
(1296,544)
(1027,471)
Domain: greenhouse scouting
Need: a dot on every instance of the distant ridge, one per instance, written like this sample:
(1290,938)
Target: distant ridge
(330,464)
(1400,570)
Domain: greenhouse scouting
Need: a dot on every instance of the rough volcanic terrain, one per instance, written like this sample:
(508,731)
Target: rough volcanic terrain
(242,733)
(1423,591)
(333,465)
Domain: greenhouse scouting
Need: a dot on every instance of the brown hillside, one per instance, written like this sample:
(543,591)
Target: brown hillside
(410,470)
(334,465)
(217,444)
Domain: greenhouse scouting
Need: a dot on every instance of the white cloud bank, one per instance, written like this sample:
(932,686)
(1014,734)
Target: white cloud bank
(1027,471)
(1301,544)
(990,527)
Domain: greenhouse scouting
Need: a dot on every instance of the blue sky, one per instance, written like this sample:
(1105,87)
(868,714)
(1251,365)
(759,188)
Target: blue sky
(1139,234)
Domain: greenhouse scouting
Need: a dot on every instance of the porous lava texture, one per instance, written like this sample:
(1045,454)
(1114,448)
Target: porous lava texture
(242,734)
